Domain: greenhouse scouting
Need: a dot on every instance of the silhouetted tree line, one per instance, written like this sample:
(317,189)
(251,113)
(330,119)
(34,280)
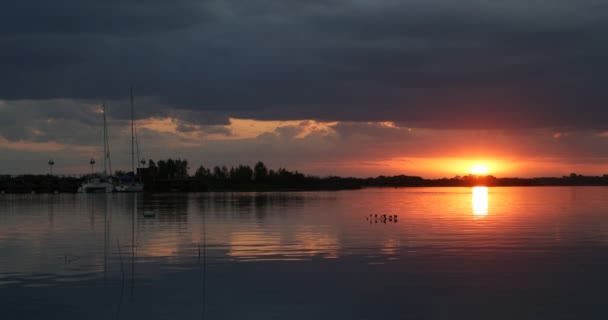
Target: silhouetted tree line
(29,183)
(172,175)
(487,180)
(168,169)
(260,177)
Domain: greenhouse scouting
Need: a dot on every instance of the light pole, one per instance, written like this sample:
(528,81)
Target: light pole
(92,162)
(51,163)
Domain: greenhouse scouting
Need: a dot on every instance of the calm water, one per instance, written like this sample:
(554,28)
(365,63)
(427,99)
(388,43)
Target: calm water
(452,253)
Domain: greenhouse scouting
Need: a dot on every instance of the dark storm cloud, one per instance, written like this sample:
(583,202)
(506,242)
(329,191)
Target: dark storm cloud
(112,17)
(439,64)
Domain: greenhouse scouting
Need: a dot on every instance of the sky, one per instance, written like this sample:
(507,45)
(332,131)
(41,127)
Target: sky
(326,87)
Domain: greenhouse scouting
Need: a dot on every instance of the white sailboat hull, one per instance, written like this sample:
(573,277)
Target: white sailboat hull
(96,187)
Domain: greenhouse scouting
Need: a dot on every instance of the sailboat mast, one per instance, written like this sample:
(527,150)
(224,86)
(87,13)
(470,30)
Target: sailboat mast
(132,135)
(137,152)
(105,139)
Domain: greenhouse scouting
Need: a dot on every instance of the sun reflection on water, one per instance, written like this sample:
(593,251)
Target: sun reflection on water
(480,201)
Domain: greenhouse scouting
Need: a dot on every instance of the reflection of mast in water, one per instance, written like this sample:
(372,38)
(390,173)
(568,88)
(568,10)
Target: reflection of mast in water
(93,218)
(107,222)
(203,269)
(480,201)
(133,255)
(105,241)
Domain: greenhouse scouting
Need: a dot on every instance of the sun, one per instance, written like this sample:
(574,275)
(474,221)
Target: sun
(480,169)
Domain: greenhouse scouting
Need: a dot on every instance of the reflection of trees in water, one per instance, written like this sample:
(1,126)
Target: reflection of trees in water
(247,204)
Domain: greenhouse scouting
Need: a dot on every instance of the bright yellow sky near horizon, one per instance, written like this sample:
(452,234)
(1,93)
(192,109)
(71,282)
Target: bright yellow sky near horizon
(480,169)
(450,167)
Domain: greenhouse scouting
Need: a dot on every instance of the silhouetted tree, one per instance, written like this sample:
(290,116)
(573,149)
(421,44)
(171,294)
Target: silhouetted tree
(241,174)
(162,169)
(171,169)
(202,172)
(181,168)
(220,173)
(260,172)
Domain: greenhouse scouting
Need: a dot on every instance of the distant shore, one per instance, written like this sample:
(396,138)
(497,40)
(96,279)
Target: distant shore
(58,184)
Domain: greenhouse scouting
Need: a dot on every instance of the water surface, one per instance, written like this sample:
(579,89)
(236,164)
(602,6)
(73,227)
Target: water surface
(450,253)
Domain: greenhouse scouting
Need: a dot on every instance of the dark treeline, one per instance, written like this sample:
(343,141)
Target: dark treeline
(476,180)
(172,175)
(169,169)
(239,178)
(38,184)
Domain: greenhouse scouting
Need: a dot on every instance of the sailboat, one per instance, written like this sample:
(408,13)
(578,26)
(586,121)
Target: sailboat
(100,183)
(132,186)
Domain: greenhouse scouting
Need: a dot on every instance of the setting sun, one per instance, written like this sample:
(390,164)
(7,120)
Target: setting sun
(479,169)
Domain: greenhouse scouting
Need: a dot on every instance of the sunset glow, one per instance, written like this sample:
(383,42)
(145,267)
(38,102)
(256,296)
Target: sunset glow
(480,169)
(303,159)
(480,201)
(382,148)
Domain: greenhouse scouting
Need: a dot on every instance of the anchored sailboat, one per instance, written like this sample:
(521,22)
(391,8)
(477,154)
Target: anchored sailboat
(100,183)
(133,185)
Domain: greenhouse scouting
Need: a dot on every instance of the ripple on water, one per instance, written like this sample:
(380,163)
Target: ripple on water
(280,253)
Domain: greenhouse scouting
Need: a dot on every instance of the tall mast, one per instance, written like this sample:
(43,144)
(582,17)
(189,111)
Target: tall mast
(132,134)
(105,139)
(137,152)
(107,161)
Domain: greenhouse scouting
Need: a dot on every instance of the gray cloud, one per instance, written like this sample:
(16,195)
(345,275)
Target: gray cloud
(435,64)
(63,121)
(79,122)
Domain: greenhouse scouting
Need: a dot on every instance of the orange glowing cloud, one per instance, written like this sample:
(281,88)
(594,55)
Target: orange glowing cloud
(49,146)
(248,129)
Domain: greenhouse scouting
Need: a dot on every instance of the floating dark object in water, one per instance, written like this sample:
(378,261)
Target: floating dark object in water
(69,258)
(383,218)
(149,214)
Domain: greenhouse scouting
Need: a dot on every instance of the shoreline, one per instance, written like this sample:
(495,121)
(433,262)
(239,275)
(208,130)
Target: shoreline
(54,184)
